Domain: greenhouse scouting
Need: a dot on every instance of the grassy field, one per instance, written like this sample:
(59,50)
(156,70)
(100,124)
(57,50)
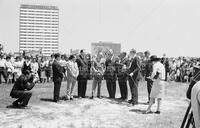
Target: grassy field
(92,113)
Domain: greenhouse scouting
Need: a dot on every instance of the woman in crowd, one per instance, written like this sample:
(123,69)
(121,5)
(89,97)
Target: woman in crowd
(72,74)
(10,69)
(49,72)
(42,71)
(34,68)
(18,64)
(63,64)
(158,76)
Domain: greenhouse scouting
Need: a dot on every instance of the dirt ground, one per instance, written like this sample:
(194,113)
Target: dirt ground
(92,113)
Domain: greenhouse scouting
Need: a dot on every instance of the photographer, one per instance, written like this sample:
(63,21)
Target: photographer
(21,89)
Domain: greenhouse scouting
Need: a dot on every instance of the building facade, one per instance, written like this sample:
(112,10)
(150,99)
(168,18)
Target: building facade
(39,29)
(105,47)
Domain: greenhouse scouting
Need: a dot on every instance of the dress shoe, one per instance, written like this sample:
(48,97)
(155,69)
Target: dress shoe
(92,97)
(15,104)
(99,97)
(157,112)
(130,101)
(71,97)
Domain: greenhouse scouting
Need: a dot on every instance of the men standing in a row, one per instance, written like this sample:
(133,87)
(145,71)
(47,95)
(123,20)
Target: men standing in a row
(148,71)
(110,75)
(57,76)
(83,74)
(134,76)
(122,76)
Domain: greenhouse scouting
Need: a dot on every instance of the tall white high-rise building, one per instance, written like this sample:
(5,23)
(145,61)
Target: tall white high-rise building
(39,28)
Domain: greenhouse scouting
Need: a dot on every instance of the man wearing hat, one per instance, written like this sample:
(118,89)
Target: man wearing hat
(134,76)
(57,76)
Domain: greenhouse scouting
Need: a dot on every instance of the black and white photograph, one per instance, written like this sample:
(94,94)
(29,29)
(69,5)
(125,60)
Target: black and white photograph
(99,64)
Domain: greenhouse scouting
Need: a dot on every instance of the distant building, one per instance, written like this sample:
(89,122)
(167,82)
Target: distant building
(104,47)
(76,51)
(38,28)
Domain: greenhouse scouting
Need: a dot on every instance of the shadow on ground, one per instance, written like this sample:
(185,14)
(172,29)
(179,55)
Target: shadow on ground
(138,111)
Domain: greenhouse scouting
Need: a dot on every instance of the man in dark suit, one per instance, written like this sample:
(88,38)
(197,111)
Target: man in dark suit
(26,64)
(21,89)
(57,76)
(134,76)
(122,65)
(84,74)
(110,75)
(148,71)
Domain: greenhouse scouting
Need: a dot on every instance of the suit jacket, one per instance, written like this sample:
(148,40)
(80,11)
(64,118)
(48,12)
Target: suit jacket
(148,69)
(26,67)
(57,70)
(135,68)
(110,72)
(84,68)
(121,73)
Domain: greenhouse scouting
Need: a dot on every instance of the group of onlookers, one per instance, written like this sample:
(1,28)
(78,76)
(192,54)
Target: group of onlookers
(11,68)
(181,69)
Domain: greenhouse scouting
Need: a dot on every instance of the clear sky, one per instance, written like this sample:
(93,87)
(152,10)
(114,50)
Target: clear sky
(161,26)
